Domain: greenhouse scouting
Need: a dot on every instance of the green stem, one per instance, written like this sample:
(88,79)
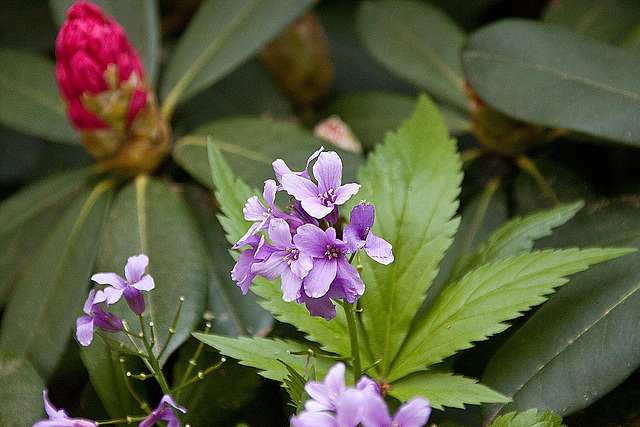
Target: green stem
(128,420)
(193,362)
(199,376)
(353,335)
(143,405)
(153,361)
(172,329)
(527,165)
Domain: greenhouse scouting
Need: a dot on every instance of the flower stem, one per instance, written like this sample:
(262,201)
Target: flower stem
(156,370)
(353,335)
(143,405)
(193,362)
(172,329)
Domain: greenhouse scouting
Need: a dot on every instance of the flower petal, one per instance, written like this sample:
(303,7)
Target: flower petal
(290,285)
(378,249)
(269,193)
(349,408)
(84,331)
(145,284)
(321,307)
(135,267)
(254,210)
(345,192)
(299,187)
(311,240)
(362,216)
(272,267)
(112,279)
(280,233)
(352,235)
(302,265)
(319,278)
(113,294)
(314,419)
(413,413)
(347,276)
(328,171)
(376,412)
(314,207)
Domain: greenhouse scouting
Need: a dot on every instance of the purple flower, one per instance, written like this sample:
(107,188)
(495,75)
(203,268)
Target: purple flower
(413,413)
(96,317)
(348,413)
(322,199)
(164,413)
(358,235)
(136,281)
(254,210)
(242,272)
(280,168)
(59,417)
(284,260)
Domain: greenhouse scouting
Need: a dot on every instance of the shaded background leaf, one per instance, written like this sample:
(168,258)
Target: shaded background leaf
(21,392)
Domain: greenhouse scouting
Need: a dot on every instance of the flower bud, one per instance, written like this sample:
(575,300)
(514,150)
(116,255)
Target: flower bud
(499,133)
(108,99)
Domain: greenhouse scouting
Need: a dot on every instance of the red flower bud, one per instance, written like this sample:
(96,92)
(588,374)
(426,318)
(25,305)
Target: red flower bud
(102,80)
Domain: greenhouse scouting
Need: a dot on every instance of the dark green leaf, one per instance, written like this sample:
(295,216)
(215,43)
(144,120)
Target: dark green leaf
(41,313)
(21,392)
(250,145)
(139,18)
(530,418)
(372,114)
(413,181)
(233,313)
(555,77)
(294,384)
(267,354)
(475,307)
(419,43)
(444,389)
(148,217)
(220,37)
(29,99)
(582,342)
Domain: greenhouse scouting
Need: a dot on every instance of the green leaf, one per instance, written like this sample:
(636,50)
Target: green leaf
(250,145)
(530,418)
(21,391)
(413,181)
(40,315)
(29,99)
(294,384)
(516,238)
(221,36)
(371,114)
(233,313)
(419,43)
(475,307)
(148,217)
(139,18)
(232,194)
(552,76)
(444,389)
(267,355)
(107,376)
(610,21)
(580,345)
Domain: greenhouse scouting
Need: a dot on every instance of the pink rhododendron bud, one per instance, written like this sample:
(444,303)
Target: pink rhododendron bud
(338,133)
(109,102)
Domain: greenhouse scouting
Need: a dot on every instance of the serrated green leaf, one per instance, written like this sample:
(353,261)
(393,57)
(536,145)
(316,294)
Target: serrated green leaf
(148,217)
(29,99)
(250,145)
(267,355)
(444,389)
(515,238)
(41,313)
(370,115)
(579,345)
(108,379)
(419,43)
(294,384)
(474,308)
(221,36)
(139,18)
(556,77)
(530,418)
(413,181)
(21,391)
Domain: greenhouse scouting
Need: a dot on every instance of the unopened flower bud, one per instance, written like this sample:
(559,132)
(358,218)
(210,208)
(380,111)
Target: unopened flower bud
(109,102)
(338,133)
(499,133)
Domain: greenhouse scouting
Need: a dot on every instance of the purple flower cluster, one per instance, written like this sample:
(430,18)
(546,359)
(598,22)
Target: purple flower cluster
(332,404)
(60,418)
(136,281)
(305,250)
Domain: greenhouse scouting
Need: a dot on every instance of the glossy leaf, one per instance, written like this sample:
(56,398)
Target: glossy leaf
(233,313)
(475,307)
(221,36)
(372,114)
(419,43)
(555,77)
(139,18)
(21,392)
(107,376)
(530,418)
(148,217)
(250,146)
(413,181)
(263,353)
(611,21)
(444,389)
(580,344)
(29,99)
(40,316)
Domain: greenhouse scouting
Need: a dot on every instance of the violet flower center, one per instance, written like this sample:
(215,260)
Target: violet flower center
(327,198)
(332,252)
(292,255)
